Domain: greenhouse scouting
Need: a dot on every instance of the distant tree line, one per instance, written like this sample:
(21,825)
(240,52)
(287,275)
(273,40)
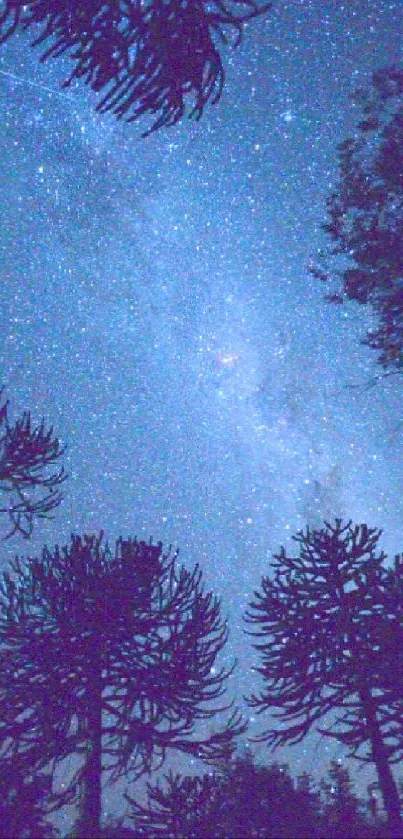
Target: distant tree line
(247,799)
(239,799)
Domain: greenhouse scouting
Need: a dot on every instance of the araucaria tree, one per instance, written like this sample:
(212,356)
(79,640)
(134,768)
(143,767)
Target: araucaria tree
(110,656)
(145,57)
(28,479)
(365,217)
(328,626)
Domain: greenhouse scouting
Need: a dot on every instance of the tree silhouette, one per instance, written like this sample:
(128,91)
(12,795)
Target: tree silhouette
(308,800)
(145,57)
(27,453)
(365,217)
(341,812)
(187,806)
(245,800)
(324,627)
(110,657)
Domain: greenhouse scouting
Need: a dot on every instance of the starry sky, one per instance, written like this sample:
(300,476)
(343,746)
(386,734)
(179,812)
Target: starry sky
(156,308)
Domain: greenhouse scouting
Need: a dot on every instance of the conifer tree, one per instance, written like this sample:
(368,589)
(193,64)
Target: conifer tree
(109,656)
(327,631)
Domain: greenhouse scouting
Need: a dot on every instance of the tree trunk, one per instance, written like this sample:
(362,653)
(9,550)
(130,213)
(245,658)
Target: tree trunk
(90,821)
(380,758)
(387,782)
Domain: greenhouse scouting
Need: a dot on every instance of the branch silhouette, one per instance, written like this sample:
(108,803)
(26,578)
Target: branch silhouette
(145,56)
(26,454)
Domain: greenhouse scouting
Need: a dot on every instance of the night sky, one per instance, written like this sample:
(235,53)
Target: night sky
(156,308)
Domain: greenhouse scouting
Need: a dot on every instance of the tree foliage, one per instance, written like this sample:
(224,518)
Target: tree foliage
(251,800)
(145,57)
(365,217)
(327,624)
(243,800)
(183,806)
(28,454)
(108,656)
(22,811)
(341,811)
